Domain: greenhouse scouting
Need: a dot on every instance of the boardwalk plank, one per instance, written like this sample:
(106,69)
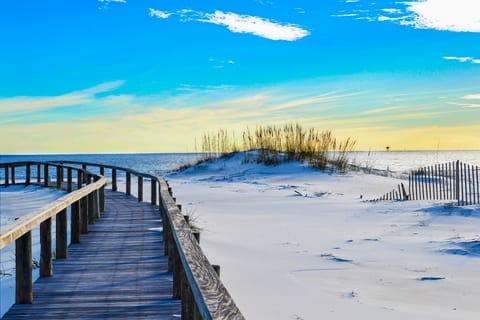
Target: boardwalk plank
(118,271)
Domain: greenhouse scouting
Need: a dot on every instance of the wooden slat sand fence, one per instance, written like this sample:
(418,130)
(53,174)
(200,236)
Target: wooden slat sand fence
(456,181)
(195,281)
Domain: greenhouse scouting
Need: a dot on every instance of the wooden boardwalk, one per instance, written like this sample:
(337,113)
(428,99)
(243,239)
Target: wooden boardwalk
(119,271)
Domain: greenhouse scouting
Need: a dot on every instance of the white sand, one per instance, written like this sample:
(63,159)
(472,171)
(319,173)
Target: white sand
(327,254)
(16,201)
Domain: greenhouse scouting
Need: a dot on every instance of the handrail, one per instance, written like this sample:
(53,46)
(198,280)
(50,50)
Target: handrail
(195,280)
(24,224)
(86,204)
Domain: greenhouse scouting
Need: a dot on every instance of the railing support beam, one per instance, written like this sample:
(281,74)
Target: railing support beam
(46,266)
(61,235)
(23,269)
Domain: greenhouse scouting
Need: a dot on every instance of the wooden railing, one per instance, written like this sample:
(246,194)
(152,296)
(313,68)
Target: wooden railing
(86,202)
(195,281)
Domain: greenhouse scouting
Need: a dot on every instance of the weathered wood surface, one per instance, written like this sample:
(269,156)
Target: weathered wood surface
(211,298)
(119,271)
(203,294)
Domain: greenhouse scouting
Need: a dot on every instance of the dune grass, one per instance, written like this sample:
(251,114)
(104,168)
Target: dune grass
(278,144)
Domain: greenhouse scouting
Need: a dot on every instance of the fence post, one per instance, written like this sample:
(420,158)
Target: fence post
(13,174)
(23,269)
(457,181)
(46,266)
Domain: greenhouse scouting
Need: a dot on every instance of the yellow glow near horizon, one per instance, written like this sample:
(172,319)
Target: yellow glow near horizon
(130,136)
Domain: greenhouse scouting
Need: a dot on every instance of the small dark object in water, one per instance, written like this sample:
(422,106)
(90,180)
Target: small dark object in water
(430,278)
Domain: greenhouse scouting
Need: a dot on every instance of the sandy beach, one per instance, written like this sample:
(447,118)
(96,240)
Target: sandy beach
(295,243)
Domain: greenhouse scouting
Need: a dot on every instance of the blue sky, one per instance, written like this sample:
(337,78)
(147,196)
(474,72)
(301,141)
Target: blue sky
(150,76)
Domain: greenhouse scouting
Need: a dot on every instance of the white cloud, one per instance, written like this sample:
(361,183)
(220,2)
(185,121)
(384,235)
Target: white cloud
(345,15)
(457,16)
(237,23)
(462,59)
(256,25)
(445,15)
(471,97)
(391,10)
(159,14)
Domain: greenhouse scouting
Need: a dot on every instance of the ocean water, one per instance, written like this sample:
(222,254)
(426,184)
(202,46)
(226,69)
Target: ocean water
(153,163)
(402,161)
(162,163)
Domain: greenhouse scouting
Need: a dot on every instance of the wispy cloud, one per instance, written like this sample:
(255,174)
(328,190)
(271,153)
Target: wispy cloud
(237,23)
(159,14)
(346,15)
(462,59)
(444,15)
(23,104)
(471,97)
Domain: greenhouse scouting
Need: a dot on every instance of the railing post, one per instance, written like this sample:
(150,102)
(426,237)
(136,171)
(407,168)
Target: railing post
(61,236)
(23,269)
(153,197)
(96,204)
(39,177)
(91,209)
(102,198)
(85,176)
(216,268)
(128,187)
(177,275)
(102,171)
(46,269)
(69,180)
(59,180)
(13,174)
(140,188)
(75,225)
(79,179)
(27,174)
(84,214)
(187,299)
(114,179)
(45,173)
(7,178)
